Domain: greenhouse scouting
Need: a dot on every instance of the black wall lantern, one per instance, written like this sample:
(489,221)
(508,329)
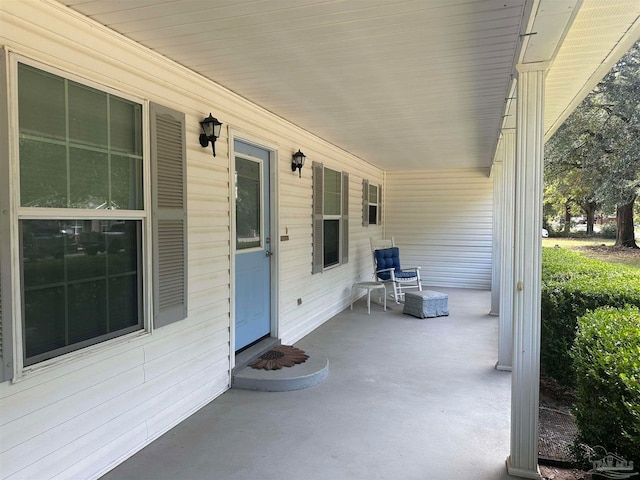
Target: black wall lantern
(210,132)
(298,162)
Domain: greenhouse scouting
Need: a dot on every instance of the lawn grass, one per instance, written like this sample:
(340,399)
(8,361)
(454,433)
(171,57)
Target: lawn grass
(599,249)
(573,243)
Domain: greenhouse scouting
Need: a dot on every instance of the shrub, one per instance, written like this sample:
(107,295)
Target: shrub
(558,232)
(572,285)
(608,230)
(607,361)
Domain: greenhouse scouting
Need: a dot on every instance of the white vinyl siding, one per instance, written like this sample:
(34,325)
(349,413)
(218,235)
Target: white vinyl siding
(78,419)
(75,419)
(442,222)
(322,295)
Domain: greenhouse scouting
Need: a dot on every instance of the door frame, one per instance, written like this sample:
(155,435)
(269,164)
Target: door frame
(236,134)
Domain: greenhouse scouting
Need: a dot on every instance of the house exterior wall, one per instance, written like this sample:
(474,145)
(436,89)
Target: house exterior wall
(442,222)
(88,412)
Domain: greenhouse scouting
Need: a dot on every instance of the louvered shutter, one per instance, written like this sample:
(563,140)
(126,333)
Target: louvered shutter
(345,217)
(1,321)
(6,329)
(169,215)
(318,225)
(365,203)
(5,370)
(6,350)
(379,205)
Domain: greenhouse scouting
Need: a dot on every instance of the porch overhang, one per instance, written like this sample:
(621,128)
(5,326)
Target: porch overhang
(402,85)
(598,33)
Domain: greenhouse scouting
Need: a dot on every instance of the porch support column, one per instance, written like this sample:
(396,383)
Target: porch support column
(525,377)
(496,257)
(505,342)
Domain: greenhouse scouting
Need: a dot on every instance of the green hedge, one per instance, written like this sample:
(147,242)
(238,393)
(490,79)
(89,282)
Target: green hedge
(572,285)
(607,362)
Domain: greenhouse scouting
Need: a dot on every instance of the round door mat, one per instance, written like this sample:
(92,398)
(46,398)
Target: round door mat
(278,357)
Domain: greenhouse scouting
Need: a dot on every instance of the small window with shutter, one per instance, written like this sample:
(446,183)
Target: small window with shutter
(330,218)
(371,202)
(373,205)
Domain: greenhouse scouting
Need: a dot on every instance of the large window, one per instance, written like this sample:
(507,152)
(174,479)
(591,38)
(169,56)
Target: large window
(83,259)
(331,220)
(81,214)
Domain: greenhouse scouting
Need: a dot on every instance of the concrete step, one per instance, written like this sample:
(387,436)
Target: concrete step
(303,375)
(247,356)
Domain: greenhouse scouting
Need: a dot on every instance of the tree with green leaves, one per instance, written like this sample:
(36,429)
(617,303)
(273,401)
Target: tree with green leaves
(597,149)
(569,190)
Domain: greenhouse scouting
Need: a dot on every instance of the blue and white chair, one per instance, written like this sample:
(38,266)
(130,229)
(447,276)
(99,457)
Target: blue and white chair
(387,269)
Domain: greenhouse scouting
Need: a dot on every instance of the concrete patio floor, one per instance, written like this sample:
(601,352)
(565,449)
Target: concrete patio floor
(405,399)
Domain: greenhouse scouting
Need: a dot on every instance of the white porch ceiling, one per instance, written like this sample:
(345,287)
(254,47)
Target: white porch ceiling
(404,84)
(602,32)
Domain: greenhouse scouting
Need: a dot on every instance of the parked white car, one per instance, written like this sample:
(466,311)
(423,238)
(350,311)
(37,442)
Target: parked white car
(545,233)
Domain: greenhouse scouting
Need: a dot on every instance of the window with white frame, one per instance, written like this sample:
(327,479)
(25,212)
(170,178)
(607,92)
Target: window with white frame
(83,217)
(80,152)
(331,218)
(371,203)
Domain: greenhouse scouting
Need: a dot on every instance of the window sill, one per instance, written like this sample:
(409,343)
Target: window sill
(331,267)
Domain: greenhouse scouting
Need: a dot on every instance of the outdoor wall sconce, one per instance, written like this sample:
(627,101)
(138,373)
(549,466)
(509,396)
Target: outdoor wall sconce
(298,162)
(210,132)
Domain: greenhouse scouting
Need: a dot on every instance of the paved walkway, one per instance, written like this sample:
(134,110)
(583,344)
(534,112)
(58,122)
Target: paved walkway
(406,399)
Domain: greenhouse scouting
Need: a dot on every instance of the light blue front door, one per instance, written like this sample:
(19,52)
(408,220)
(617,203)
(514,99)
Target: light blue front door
(253,244)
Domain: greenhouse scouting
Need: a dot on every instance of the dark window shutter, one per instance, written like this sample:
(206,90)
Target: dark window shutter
(318,225)
(345,217)
(1,321)
(379,205)
(365,203)
(6,329)
(5,370)
(169,214)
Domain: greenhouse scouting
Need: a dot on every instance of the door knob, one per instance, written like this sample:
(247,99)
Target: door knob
(268,253)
